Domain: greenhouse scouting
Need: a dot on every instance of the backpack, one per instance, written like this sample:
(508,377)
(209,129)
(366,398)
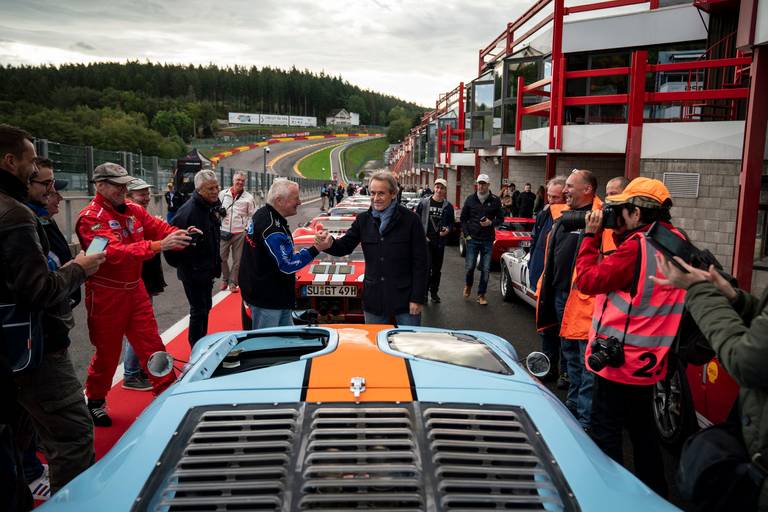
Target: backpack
(716,473)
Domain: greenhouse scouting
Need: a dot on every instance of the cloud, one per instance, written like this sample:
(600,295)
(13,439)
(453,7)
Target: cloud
(414,50)
(83,46)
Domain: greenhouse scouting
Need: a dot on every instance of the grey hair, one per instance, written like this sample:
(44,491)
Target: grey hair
(386,177)
(239,173)
(281,187)
(557,180)
(204,176)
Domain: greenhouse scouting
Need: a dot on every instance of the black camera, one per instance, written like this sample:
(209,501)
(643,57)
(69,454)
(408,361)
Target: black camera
(571,220)
(221,211)
(196,237)
(606,352)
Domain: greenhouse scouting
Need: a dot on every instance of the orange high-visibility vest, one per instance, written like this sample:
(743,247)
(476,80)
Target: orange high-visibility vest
(654,317)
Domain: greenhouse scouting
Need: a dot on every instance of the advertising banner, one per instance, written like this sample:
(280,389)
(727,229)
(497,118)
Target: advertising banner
(239,118)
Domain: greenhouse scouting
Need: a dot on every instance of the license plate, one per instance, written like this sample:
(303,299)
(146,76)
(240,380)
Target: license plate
(328,290)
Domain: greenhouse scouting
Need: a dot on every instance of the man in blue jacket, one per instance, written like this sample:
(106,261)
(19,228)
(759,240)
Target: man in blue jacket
(437,219)
(269,263)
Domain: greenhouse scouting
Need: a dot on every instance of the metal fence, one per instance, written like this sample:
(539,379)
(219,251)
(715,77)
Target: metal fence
(76,164)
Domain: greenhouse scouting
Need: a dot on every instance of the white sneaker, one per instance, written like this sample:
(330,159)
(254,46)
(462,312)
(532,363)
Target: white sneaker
(41,487)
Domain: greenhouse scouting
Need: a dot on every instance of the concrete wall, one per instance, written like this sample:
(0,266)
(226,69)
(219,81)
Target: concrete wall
(491,165)
(467,182)
(710,219)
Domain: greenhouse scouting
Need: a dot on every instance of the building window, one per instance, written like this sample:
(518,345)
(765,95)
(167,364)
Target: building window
(481,113)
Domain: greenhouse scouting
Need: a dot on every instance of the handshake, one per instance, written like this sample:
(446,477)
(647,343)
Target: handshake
(323,239)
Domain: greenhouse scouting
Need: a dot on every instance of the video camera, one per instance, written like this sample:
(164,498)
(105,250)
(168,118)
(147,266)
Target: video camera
(572,220)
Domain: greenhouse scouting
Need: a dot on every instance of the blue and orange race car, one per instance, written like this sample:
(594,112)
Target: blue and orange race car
(355,417)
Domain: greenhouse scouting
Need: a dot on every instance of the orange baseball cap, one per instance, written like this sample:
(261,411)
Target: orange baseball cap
(645,192)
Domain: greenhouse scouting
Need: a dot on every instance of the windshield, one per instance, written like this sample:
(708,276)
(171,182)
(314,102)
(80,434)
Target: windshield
(449,347)
(516,226)
(357,255)
(335,225)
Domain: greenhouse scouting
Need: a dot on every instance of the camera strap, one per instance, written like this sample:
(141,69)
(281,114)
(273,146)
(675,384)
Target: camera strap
(632,294)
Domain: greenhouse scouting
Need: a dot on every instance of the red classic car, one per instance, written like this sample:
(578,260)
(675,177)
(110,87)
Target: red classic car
(513,232)
(332,286)
(335,225)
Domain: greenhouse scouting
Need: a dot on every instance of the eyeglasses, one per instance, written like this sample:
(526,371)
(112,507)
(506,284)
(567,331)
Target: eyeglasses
(45,183)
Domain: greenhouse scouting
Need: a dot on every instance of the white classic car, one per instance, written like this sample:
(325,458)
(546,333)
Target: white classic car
(514,277)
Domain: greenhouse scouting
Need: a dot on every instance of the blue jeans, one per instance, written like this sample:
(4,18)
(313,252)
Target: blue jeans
(483,248)
(131,366)
(263,317)
(400,319)
(579,399)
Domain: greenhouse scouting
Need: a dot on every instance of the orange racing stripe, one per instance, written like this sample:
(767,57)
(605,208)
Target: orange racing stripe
(386,376)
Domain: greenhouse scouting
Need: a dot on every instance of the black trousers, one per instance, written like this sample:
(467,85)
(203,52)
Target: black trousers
(198,293)
(617,406)
(435,262)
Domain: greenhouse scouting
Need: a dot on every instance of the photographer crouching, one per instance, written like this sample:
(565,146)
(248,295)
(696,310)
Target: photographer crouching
(634,323)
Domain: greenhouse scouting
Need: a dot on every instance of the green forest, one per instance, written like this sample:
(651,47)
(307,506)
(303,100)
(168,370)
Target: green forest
(157,109)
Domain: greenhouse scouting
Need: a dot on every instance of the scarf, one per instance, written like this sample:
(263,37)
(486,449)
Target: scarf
(384,216)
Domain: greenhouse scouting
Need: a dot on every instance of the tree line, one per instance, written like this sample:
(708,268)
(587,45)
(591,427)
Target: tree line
(157,108)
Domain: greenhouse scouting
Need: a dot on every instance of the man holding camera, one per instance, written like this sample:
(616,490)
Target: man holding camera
(560,302)
(200,263)
(635,322)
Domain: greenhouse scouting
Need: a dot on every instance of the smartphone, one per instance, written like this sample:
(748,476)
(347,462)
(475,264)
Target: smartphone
(671,245)
(98,245)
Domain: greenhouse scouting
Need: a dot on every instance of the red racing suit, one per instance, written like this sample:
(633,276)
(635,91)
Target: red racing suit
(115,297)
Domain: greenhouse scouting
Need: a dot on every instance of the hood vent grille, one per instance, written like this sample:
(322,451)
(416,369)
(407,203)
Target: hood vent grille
(342,457)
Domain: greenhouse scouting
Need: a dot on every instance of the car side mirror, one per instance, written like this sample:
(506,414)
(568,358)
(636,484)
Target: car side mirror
(537,364)
(160,364)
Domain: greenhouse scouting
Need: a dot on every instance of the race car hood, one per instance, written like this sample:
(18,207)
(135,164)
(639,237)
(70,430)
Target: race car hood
(354,384)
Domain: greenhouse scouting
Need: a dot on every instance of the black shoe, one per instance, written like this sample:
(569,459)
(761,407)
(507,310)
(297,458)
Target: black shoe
(563,382)
(436,298)
(98,410)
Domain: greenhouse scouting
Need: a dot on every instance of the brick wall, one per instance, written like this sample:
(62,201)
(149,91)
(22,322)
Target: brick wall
(710,219)
(604,168)
(467,182)
(489,166)
(527,169)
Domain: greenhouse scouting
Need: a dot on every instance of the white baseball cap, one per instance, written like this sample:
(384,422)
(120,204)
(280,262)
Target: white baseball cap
(483,178)
(441,181)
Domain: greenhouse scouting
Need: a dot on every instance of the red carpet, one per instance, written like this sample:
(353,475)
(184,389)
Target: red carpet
(125,406)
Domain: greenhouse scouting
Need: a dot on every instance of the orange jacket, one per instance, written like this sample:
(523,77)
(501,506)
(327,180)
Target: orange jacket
(577,316)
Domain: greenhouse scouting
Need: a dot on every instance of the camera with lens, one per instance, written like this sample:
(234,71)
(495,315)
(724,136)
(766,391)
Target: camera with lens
(606,352)
(196,237)
(572,220)
(221,211)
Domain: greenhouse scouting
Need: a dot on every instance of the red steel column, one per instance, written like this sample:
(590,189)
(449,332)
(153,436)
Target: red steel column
(751,169)
(550,166)
(557,76)
(635,114)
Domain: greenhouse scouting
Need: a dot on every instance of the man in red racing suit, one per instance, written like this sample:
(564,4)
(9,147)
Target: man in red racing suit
(115,297)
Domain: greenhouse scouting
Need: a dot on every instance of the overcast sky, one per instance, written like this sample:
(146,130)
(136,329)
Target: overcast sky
(412,49)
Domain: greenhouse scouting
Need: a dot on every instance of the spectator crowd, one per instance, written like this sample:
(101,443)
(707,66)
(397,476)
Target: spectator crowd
(609,300)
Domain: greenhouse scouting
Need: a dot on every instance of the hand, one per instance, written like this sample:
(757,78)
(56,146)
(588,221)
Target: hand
(676,277)
(89,263)
(594,221)
(175,241)
(193,229)
(485,223)
(323,240)
(722,284)
(414,308)
(444,231)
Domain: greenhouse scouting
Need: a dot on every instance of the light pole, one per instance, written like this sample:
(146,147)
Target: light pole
(266,152)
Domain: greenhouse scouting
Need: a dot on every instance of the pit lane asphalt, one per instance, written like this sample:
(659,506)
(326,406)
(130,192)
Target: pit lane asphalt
(512,321)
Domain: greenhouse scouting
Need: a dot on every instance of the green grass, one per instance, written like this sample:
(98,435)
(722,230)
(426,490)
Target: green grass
(357,155)
(312,166)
